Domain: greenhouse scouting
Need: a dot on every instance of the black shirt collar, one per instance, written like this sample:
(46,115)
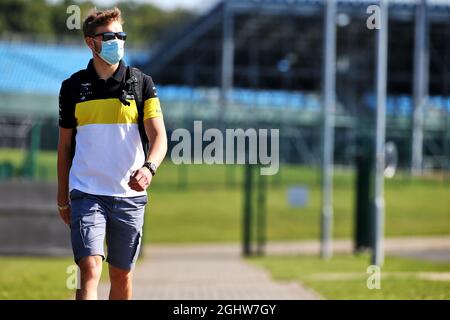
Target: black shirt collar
(117,76)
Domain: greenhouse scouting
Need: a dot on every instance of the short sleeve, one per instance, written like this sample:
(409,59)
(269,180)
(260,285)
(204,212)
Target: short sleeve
(66,107)
(152,106)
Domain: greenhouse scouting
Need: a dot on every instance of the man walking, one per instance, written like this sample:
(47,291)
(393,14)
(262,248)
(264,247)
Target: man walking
(108,112)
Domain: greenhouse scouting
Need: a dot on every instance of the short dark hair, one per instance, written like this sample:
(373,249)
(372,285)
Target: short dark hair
(98,18)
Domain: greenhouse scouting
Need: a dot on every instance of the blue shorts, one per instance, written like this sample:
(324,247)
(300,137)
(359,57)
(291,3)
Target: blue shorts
(117,220)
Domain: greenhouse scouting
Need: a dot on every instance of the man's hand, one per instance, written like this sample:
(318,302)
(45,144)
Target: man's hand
(140,179)
(65,215)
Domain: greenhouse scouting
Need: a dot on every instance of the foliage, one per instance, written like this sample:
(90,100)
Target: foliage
(143,22)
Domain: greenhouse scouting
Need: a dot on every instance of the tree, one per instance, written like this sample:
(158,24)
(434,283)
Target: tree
(143,22)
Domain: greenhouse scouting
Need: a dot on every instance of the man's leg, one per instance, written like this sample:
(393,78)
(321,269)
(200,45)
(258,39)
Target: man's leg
(88,226)
(121,283)
(123,238)
(91,270)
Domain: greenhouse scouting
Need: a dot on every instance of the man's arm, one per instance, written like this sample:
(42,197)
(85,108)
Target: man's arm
(156,133)
(64,164)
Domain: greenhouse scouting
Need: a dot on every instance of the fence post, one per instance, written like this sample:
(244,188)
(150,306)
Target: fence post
(248,208)
(29,168)
(262,214)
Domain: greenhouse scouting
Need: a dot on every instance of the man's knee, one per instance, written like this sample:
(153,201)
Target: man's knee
(91,267)
(119,275)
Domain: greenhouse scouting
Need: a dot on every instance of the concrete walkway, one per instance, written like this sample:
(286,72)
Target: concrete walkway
(424,248)
(218,271)
(214,272)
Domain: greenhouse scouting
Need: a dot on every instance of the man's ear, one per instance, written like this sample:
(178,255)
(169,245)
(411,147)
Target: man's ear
(89,42)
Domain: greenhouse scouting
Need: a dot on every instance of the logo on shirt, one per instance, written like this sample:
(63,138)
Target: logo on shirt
(85,90)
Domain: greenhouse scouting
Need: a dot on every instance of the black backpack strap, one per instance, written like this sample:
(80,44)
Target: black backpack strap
(136,81)
(76,81)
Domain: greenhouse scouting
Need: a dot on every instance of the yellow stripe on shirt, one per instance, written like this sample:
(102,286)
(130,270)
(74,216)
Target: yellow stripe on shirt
(106,111)
(152,109)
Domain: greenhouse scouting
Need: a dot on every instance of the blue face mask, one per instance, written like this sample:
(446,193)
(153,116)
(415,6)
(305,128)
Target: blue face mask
(112,51)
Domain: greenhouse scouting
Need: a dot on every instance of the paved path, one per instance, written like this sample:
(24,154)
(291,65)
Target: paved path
(214,272)
(217,271)
(425,248)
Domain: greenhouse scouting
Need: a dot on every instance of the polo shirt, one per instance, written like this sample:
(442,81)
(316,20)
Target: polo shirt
(106,140)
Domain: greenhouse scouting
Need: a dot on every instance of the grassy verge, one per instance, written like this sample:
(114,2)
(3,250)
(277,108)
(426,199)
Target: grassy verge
(39,278)
(34,278)
(204,207)
(345,276)
(207,210)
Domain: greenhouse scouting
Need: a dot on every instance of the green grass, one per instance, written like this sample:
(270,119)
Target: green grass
(39,278)
(34,278)
(345,276)
(207,209)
